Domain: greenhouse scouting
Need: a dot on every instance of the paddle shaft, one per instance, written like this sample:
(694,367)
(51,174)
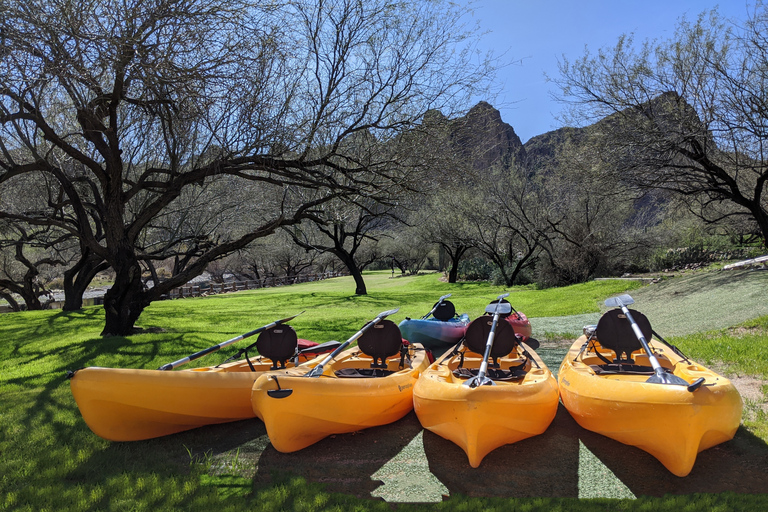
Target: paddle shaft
(488,347)
(318,370)
(198,355)
(636,328)
(480,378)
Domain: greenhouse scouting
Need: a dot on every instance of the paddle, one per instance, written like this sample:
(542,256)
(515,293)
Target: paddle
(197,355)
(498,309)
(440,301)
(660,376)
(317,371)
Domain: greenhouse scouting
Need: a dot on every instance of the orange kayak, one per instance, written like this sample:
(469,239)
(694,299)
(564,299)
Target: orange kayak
(670,422)
(135,404)
(520,401)
(350,395)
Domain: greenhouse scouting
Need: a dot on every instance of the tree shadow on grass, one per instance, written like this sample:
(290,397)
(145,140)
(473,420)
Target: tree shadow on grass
(540,466)
(739,465)
(345,463)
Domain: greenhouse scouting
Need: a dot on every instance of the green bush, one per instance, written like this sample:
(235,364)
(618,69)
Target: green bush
(476,269)
(682,256)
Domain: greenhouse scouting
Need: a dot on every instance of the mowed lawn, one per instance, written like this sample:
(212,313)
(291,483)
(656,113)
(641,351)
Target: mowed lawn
(49,459)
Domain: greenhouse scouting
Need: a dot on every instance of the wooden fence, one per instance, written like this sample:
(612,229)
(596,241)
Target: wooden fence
(198,290)
(204,289)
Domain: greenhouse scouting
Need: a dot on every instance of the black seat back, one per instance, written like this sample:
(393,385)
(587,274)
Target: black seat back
(380,342)
(614,332)
(277,344)
(504,339)
(445,311)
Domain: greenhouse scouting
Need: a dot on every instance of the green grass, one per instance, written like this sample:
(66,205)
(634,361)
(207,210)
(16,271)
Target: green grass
(49,460)
(742,349)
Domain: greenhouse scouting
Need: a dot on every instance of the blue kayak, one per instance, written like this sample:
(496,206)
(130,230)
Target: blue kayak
(434,334)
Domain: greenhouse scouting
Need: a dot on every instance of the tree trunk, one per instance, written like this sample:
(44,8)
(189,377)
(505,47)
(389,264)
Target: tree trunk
(453,274)
(455,255)
(125,300)
(354,271)
(359,282)
(11,302)
(79,277)
(761,217)
(520,264)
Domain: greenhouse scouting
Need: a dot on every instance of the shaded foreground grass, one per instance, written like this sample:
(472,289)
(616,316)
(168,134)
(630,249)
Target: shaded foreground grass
(51,461)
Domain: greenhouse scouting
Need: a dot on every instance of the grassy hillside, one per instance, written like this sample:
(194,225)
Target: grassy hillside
(51,461)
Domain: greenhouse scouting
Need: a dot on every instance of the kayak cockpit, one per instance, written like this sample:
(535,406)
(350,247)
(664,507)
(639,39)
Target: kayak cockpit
(378,348)
(509,361)
(612,347)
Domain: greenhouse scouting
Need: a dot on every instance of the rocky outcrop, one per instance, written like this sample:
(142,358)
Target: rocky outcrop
(482,138)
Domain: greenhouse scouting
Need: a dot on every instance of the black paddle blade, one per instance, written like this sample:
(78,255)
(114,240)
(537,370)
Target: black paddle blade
(279,393)
(533,343)
(477,381)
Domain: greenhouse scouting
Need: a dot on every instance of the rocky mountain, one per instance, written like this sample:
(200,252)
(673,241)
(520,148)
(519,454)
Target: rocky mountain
(482,138)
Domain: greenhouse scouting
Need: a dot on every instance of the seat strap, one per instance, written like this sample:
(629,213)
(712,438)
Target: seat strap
(599,355)
(403,355)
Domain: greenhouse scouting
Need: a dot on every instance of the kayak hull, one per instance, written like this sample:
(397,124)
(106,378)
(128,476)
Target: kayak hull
(667,421)
(433,334)
(520,324)
(315,408)
(121,404)
(482,419)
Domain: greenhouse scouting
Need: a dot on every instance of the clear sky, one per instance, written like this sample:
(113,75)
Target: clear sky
(538,32)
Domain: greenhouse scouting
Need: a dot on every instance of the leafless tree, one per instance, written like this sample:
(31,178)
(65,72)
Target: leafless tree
(350,230)
(25,254)
(442,221)
(129,104)
(687,114)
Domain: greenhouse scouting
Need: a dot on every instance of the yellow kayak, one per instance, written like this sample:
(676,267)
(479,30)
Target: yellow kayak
(131,405)
(354,390)
(521,402)
(605,388)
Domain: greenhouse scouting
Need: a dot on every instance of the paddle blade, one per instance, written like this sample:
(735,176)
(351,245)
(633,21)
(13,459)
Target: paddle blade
(321,348)
(532,343)
(385,314)
(504,308)
(477,381)
(621,300)
(662,377)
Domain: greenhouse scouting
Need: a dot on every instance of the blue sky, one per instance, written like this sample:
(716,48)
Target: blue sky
(538,32)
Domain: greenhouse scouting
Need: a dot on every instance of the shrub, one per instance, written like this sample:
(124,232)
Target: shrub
(475,269)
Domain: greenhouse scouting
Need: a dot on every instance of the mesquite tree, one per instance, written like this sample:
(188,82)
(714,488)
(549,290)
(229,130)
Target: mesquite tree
(687,114)
(127,104)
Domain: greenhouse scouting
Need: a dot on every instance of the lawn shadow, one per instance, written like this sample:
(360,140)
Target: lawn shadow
(739,465)
(540,466)
(344,463)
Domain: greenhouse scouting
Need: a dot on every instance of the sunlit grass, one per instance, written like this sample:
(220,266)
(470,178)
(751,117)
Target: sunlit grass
(49,460)
(743,349)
